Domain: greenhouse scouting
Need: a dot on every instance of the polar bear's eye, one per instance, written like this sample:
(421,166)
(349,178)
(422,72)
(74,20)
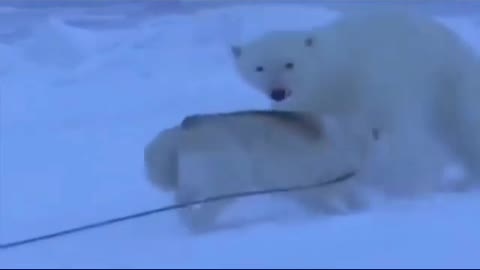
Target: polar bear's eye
(289,65)
(259,69)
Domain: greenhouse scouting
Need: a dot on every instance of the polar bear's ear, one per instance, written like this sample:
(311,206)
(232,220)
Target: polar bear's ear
(236,51)
(309,42)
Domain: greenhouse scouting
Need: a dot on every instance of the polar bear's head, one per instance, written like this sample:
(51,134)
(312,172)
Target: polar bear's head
(274,63)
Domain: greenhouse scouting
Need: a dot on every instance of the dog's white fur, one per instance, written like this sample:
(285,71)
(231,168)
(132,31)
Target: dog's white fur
(256,152)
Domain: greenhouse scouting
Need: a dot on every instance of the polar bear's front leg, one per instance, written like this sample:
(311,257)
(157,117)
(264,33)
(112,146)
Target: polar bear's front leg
(413,164)
(459,127)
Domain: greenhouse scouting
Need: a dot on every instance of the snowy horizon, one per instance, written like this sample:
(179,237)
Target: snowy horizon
(82,90)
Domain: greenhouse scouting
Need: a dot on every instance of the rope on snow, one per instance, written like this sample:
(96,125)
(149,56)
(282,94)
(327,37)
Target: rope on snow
(172,207)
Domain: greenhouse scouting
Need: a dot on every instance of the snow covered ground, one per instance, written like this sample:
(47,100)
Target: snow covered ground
(81,94)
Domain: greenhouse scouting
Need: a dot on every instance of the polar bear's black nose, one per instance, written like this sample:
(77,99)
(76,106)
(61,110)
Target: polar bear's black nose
(278,94)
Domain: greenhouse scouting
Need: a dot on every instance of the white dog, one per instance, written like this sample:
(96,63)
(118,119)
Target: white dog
(213,155)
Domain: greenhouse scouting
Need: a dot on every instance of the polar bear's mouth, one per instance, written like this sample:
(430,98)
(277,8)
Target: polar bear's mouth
(279,94)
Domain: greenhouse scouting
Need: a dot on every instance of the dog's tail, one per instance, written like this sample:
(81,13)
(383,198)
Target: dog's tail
(160,159)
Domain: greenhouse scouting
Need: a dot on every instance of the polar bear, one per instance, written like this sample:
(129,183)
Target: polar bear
(219,154)
(396,72)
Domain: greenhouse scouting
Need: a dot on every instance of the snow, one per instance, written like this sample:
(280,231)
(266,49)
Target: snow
(78,103)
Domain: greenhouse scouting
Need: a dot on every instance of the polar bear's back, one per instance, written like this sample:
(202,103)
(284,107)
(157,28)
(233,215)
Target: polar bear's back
(393,56)
(397,37)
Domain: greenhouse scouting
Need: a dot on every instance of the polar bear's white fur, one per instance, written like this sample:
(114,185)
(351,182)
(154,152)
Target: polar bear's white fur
(406,75)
